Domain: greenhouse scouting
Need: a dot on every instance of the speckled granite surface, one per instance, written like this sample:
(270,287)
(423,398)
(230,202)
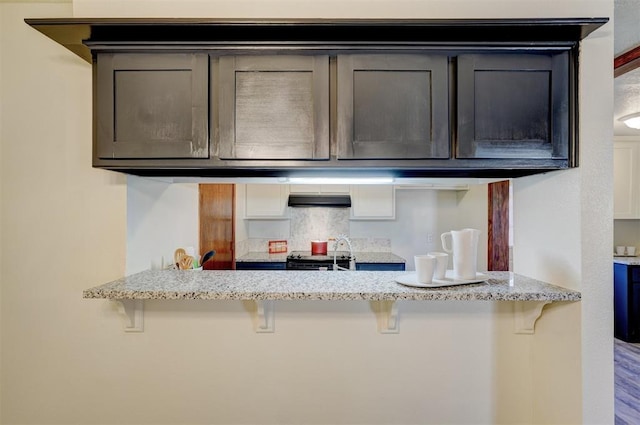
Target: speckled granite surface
(361,257)
(317,285)
(263,257)
(629,261)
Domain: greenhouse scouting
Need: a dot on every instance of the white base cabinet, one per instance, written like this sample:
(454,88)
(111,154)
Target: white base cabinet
(626,183)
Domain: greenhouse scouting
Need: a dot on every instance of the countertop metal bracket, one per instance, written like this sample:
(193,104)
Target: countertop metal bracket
(386,312)
(526,313)
(264,319)
(133,312)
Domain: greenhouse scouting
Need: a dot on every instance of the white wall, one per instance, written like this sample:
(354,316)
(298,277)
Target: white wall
(161,217)
(63,225)
(563,225)
(1,198)
(66,360)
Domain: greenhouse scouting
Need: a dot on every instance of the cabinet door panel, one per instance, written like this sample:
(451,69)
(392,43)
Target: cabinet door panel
(274,107)
(513,106)
(392,106)
(373,202)
(266,201)
(152,106)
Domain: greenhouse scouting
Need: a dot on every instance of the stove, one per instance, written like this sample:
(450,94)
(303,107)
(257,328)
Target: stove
(303,260)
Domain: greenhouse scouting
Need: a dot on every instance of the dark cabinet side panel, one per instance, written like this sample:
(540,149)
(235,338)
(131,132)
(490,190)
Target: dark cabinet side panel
(152,106)
(513,106)
(274,107)
(392,106)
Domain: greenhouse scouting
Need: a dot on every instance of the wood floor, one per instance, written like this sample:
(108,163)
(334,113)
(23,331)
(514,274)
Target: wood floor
(627,382)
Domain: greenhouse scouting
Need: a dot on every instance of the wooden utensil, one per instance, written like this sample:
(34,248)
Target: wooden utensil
(186,262)
(177,256)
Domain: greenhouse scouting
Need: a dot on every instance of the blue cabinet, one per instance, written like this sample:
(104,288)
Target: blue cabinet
(262,265)
(380,266)
(626,302)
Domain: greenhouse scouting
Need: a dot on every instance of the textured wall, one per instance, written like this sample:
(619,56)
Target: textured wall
(66,360)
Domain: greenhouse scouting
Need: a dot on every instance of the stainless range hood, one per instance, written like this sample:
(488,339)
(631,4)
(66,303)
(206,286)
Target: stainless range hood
(327,201)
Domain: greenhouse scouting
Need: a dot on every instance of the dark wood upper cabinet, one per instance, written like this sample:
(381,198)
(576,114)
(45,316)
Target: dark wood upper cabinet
(513,106)
(392,106)
(274,107)
(152,106)
(275,98)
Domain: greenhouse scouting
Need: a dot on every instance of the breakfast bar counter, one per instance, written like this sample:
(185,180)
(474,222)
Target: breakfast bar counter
(318,285)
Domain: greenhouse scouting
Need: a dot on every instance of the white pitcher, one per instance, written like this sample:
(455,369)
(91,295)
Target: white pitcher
(465,252)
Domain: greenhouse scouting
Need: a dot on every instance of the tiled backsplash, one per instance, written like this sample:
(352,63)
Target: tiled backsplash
(358,244)
(307,224)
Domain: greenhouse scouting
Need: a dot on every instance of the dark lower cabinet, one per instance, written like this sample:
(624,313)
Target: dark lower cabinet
(626,302)
(259,265)
(513,106)
(152,106)
(380,267)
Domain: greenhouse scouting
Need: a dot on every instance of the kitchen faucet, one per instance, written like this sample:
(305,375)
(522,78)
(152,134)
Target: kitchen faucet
(352,259)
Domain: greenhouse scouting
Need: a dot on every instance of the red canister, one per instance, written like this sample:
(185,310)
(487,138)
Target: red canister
(318,247)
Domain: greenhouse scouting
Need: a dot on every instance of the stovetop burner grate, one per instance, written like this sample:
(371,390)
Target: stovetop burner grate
(307,256)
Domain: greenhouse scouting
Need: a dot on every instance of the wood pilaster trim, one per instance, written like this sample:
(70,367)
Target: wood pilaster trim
(627,61)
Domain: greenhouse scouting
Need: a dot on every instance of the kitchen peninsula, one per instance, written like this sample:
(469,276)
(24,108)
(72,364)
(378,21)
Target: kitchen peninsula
(379,288)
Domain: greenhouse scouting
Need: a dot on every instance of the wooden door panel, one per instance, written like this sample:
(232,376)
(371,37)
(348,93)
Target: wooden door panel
(217,224)
(498,247)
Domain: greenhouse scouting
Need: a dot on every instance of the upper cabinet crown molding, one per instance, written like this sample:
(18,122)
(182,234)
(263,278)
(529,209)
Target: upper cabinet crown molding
(78,34)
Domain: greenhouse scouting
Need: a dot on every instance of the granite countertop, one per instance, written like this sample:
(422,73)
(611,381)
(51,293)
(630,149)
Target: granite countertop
(361,257)
(318,285)
(263,257)
(629,261)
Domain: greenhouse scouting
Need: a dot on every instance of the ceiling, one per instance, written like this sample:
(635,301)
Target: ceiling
(627,86)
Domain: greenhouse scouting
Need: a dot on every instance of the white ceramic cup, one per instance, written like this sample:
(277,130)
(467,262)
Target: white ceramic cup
(442,261)
(425,266)
(631,250)
(620,250)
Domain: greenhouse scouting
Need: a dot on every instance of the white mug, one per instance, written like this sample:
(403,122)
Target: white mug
(620,250)
(631,250)
(425,266)
(442,261)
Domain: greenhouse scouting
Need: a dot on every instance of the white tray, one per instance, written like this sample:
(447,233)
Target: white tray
(411,279)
